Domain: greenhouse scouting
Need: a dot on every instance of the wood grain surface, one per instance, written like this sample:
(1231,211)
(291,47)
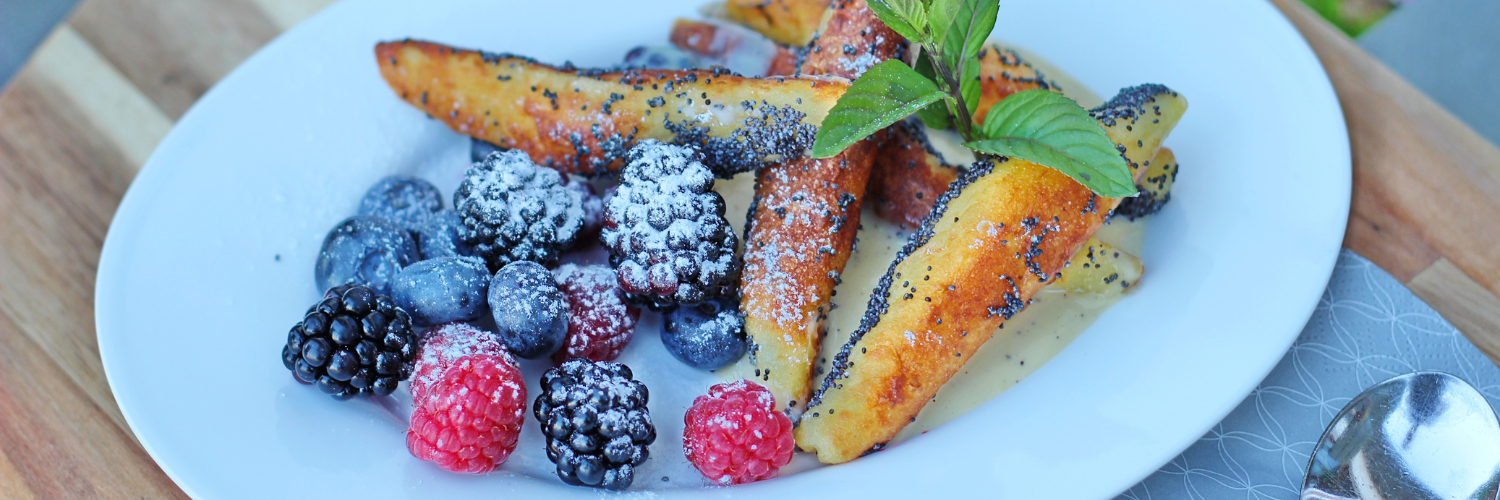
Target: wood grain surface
(81,118)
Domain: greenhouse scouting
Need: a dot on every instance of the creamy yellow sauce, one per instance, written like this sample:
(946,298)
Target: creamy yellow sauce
(1023,344)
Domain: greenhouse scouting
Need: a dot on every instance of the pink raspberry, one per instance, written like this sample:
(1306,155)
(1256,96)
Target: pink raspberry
(600,324)
(470,400)
(443,344)
(735,435)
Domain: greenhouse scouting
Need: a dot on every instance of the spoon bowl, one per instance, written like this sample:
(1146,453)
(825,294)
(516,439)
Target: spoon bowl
(1419,436)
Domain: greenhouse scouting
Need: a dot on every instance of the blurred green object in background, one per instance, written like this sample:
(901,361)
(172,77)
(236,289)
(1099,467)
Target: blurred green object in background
(1352,16)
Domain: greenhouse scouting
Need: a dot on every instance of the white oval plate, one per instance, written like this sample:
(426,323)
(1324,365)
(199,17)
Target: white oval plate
(209,260)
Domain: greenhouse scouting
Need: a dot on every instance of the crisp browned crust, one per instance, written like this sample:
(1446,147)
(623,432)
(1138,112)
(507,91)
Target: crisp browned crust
(801,231)
(999,234)
(702,38)
(1003,73)
(802,226)
(908,176)
(583,121)
(851,41)
(790,22)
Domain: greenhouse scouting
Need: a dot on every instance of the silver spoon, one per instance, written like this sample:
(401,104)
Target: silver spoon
(1419,436)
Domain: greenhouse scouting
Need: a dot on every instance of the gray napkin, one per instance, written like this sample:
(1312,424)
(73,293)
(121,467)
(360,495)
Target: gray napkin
(1368,327)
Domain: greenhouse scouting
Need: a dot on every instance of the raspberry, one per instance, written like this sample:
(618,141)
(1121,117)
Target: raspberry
(600,324)
(470,401)
(735,435)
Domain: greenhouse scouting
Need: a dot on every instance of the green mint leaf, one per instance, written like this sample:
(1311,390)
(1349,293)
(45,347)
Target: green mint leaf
(1046,128)
(915,12)
(968,28)
(885,94)
(940,15)
(936,115)
(905,17)
(968,85)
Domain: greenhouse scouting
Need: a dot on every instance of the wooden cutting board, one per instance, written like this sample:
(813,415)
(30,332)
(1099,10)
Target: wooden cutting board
(81,118)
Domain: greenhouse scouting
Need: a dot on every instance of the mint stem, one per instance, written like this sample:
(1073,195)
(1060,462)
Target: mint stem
(954,89)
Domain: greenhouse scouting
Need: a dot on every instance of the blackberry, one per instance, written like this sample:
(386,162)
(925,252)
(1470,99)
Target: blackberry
(596,422)
(665,229)
(352,342)
(593,209)
(513,210)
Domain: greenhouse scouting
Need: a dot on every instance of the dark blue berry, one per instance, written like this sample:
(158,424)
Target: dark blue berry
(315,352)
(343,366)
(343,330)
(513,209)
(661,57)
(708,336)
(531,313)
(384,386)
(438,236)
(442,290)
(596,422)
(479,149)
(402,199)
(352,342)
(366,250)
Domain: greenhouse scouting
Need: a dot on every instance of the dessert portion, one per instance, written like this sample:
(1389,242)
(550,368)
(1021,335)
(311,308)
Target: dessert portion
(648,165)
(584,121)
(801,226)
(910,174)
(792,22)
(735,47)
(999,234)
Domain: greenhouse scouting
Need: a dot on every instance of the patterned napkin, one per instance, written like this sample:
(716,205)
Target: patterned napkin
(1367,328)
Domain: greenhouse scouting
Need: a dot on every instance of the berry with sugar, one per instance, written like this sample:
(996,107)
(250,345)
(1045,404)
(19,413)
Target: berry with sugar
(665,229)
(600,323)
(531,313)
(469,399)
(364,249)
(734,435)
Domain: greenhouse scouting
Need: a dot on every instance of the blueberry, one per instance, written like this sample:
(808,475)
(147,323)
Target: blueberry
(438,236)
(708,336)
(442,290)
(531,313)
(364,249)
(661,57)
(403,199)
(479,149)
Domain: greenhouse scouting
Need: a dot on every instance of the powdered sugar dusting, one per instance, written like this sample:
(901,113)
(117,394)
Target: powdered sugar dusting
(442,346)
(600,324)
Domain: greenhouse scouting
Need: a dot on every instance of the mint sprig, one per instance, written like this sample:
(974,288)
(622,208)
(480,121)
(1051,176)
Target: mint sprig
(1046,128)
(943,88)
(885,94)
